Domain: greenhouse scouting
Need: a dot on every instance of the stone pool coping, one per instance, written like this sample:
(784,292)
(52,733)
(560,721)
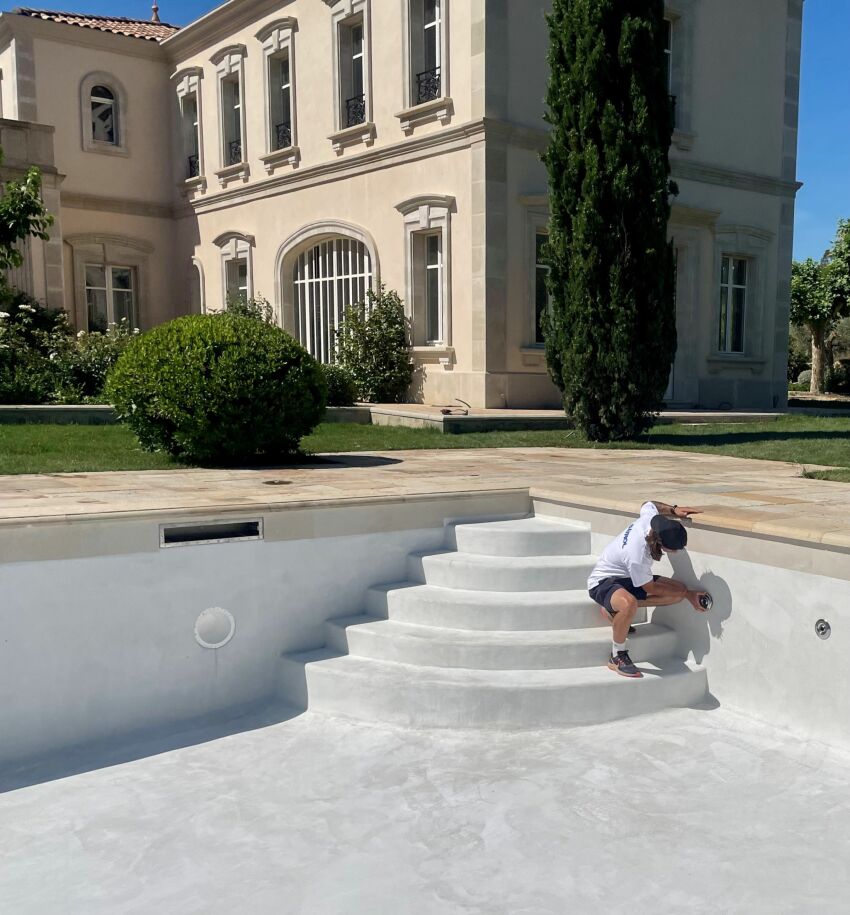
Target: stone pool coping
(765,499)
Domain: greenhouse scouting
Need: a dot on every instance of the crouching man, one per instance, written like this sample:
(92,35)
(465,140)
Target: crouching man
(622,580)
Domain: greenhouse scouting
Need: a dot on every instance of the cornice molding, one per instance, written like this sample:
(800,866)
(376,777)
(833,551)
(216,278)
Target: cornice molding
(75,201)
(727,177)
(187,71)
(104,238)
(231,50)
(218,25)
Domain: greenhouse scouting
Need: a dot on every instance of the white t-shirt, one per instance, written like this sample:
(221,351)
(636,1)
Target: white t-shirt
(628,556)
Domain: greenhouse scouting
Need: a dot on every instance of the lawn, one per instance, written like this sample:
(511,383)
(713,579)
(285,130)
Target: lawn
(803,440)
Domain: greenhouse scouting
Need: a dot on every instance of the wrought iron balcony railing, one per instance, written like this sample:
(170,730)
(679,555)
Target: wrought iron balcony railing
(428,85)
(355,111)
(283,135)
(234,152)
(193,166)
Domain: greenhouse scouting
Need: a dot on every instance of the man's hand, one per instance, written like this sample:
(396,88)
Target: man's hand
(676,511)
(679,511)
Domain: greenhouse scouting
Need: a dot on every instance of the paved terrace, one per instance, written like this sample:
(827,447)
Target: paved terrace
(762,497)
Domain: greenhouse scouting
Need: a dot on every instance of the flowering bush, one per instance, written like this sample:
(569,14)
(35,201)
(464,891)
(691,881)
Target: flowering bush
(42,360)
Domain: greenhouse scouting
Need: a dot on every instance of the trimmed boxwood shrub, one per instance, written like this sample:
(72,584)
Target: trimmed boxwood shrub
(342,391)
(220,389)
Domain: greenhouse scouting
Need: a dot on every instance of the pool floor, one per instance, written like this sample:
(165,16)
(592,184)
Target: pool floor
(682,811)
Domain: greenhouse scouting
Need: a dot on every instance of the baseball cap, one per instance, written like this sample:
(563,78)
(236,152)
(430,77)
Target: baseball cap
(672,534)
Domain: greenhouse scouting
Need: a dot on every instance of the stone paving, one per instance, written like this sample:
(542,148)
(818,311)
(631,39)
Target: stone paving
(763,497)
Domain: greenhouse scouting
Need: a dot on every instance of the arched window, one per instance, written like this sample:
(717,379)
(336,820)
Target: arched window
(104,115)
(328,277)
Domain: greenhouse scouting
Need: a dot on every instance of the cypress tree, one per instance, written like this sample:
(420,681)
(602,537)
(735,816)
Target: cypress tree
(611,332)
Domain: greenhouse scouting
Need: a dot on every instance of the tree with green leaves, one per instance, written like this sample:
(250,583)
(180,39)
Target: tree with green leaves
(22,213)
(611,333)
(820,298)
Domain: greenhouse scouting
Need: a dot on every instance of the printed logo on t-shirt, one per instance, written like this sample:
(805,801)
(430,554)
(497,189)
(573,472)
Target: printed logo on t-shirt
(626,535)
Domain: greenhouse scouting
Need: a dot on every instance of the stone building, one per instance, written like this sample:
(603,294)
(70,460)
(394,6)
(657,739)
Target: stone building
(304,150)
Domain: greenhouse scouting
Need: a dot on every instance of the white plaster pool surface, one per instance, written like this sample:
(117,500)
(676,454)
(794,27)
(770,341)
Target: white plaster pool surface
(679,812)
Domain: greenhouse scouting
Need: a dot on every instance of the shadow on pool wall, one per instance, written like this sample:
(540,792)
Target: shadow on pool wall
(695,631)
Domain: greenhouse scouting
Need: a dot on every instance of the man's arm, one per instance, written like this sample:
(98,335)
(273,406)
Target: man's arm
(675,511)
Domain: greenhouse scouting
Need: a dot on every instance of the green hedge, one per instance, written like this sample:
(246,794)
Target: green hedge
(221,389)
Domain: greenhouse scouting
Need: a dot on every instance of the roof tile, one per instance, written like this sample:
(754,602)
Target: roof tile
(118,25)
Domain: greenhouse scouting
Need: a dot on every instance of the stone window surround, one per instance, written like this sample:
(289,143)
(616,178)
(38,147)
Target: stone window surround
(341,12)
(429,214)
(275,38)
(229,61)
(197,271)
(681,14)
(441,109)
(188,82)
(536,218)
(109,250)
(89,144)
(304,238)
(752,244)
(234,246)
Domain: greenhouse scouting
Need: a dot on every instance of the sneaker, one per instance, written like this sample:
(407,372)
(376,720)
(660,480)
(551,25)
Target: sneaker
(622,664)
(610,617)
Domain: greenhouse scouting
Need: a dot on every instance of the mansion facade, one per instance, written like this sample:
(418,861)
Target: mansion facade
(307,150)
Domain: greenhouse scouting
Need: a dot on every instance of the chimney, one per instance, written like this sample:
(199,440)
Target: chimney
(155,12)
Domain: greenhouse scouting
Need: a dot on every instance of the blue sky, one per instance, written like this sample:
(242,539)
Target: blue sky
(824,154)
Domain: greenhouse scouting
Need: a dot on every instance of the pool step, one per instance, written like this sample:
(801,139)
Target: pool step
(476,572)
(420,696)
(426,605)
(497,630)
(430,646)
(520,537)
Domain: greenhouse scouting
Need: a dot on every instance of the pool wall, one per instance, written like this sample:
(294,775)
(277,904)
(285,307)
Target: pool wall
(94,647)
(98,620)
(759,644)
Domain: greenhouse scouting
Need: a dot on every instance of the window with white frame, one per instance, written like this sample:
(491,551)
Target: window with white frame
(191,134)
(110,296)
(280,101)
(352,72)
(428,285)
(542,299)
(733,303)
(104,115)
(278,41)
(426,50)
(428,289)
(668,66)
(230,69)
(668,54)
(236,265)
(231,119)
(189,100)
(236,278)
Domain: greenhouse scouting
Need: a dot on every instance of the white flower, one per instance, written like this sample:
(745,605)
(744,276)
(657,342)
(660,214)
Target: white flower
(28,308)
(54,357)
(4,315)
(80,333)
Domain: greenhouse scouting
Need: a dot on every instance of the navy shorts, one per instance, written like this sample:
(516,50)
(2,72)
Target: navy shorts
(605,590)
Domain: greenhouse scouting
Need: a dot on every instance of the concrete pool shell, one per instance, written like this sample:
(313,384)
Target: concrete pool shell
(103,676)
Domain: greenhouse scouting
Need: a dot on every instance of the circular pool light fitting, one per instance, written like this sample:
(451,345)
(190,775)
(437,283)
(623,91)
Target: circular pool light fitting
(214,628)
(823,629)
